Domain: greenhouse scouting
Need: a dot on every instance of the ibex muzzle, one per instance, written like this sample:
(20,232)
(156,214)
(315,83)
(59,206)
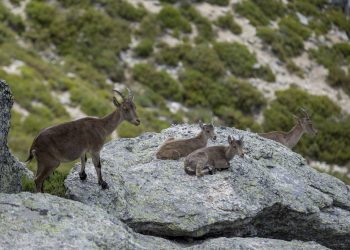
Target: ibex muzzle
(68,141)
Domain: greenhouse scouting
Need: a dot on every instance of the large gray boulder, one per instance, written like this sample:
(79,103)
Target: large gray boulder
(271,193)
(43,221)
(11,170)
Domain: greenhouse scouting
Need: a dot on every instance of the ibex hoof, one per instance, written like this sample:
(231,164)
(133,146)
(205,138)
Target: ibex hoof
(82,176)
(104,185)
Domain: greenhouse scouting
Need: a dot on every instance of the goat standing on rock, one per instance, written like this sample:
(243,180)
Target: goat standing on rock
(68,141)
(291,138)
(175,149)
(206,160)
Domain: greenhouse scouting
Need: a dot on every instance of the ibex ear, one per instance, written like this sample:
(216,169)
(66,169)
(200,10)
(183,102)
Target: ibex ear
(229,139)
(201,124)
(115,102)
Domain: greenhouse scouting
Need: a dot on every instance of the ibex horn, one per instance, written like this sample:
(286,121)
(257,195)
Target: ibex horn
(304,111)
(130,95)
(119,93)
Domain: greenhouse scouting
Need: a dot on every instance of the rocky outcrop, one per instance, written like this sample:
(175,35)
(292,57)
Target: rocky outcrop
(43,221)
(11,170)
(270,193)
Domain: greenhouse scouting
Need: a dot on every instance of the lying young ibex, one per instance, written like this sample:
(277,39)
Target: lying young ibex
(175,149)
(291,138)
(69,141)
(207,160)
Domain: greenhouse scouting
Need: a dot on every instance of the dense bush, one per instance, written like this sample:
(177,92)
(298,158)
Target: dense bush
(149,27)
(10,20)
(252,12)
(159,81)
(203,24)
(284,42)
(172,55)
(271,8)
(331,144)
(236,57)
(293,24)
(205,60)
(125,10)
(144,48)
(171,18)
(337,77)
(227,22)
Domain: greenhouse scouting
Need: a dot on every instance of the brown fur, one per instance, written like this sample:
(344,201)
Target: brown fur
(205,160)
(175,149)
(291,138)
(72,140)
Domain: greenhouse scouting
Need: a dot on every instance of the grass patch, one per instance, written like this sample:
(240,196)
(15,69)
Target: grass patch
(227,22)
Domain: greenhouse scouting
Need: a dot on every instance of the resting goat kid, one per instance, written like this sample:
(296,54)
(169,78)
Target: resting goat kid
(68,141)
(175,149)
(208,160)
(290,139)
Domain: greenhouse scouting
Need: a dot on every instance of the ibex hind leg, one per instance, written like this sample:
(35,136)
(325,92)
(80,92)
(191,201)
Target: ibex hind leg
(44,171)
(97,164)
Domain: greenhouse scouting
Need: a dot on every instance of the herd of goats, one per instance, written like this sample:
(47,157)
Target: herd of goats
(68,141)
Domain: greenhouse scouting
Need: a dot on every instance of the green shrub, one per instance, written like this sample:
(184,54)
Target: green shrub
(305,7)
(53,185)
(205,60)
(10,20)
(172,55)
(284,42)
(170,18)
(235,118)
(271,8)
(236,57)
(293,24)
(227,22)
(125,10)
(203,24)
(6,35)
(144,48)
(293,68)
(331,144)
(252,12)
(158,81)
(40,13)
(338,18)
(265,73)
(337,77)
(149,27)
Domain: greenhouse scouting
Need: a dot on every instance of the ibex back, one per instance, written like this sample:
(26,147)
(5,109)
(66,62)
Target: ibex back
(290,139)
(175,149)
(206,160)
(69,141)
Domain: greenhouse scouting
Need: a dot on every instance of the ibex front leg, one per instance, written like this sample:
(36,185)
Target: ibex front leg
(97,164)
(82,173)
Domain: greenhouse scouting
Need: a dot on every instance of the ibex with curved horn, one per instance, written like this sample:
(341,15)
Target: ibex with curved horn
(290,139)
(68,141)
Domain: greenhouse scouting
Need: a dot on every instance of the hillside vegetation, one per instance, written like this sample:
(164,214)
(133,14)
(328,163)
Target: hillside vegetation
(62,58)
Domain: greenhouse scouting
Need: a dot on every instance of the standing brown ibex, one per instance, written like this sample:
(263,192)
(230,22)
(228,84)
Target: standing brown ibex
(68,141)
(175,149)
(290,139)
(206,160)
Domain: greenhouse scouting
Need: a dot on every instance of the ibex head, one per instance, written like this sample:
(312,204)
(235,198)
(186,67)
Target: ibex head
(235,147)
(305,122)
(127,108)
(208,130)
